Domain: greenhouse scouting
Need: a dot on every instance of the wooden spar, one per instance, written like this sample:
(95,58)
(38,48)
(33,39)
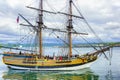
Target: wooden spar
(16,49)
(34,28)
(41,10)
(64,31)
(69,27)
(71,15)
(40,24)
(101,50)
(54,29)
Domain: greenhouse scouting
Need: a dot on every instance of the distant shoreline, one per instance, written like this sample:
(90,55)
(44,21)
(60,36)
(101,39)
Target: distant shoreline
(63,45)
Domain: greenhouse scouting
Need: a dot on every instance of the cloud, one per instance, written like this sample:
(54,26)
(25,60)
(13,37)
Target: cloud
(103,16)
(100,11)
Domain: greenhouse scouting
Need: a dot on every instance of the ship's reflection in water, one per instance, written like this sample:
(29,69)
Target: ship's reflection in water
(85,74)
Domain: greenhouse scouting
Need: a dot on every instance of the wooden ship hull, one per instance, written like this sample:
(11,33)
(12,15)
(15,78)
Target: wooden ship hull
(33,63)
(54,68)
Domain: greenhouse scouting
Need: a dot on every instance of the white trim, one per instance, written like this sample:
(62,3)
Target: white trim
(63,68)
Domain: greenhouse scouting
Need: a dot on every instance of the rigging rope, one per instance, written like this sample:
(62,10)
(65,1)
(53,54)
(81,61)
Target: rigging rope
(65,42)
(110,53)
(88,43)
(88,23)
(91,30)
(50,6)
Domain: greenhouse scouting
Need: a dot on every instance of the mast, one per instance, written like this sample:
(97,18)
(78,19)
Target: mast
(69,28)
(40,24)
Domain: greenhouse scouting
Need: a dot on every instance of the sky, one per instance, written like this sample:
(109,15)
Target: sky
(102,15)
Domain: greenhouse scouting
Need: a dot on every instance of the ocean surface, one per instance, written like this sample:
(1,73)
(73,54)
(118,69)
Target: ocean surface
(100,70)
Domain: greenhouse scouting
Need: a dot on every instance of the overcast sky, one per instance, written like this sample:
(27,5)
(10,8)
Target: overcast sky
(102,15)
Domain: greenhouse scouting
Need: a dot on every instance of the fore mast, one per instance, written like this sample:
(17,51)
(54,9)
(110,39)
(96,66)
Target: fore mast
(40,24)
(69,28)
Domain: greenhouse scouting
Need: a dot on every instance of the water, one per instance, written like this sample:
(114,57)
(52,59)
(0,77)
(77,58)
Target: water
(100,70)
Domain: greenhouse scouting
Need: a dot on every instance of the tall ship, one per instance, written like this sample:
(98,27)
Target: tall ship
(66,33)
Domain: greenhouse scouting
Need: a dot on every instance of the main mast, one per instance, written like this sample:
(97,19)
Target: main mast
(69,28)
(40,24)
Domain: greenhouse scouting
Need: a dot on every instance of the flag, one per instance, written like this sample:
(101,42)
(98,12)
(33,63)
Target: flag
(18,19)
